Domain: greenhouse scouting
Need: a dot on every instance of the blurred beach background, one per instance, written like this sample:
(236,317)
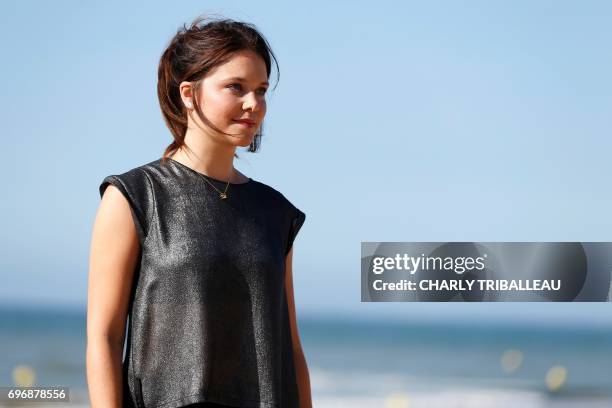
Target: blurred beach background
(480,121)
(359,363)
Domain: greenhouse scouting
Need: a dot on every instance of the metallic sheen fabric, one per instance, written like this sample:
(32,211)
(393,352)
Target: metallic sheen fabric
(208,314)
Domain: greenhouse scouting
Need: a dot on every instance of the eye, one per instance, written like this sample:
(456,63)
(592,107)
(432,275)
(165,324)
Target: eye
(238,87)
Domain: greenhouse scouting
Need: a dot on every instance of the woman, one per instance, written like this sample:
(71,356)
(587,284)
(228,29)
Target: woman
(195,253)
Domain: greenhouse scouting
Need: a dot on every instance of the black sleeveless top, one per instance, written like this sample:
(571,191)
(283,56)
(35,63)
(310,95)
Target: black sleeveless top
(208,314)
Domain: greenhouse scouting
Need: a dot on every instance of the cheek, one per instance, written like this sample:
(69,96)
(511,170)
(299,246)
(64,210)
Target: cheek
(220,107)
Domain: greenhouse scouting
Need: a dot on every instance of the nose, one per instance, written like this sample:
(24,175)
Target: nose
(252,102)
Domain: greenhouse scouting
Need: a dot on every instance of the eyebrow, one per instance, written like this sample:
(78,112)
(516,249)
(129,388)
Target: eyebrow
(244,80)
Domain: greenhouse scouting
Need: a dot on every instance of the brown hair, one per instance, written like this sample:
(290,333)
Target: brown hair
(190,55)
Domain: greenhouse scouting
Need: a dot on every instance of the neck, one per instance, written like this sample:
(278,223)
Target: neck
(203,154)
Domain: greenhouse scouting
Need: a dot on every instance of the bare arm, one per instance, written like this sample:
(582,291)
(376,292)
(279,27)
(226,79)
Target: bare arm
(301,368)
(113,256)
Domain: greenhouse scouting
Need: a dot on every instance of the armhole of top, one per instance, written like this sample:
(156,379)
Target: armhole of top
(137,214)
(296,224)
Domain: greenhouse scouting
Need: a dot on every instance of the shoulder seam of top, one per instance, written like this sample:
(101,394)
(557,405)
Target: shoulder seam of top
(272,190)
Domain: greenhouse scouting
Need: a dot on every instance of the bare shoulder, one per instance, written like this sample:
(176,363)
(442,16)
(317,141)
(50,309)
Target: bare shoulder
(114,205)
(114,222)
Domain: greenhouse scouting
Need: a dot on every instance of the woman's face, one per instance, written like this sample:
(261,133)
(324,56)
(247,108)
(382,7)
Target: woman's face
(232,93)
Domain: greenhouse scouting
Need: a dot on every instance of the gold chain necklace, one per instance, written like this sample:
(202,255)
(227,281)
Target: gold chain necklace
(222,194)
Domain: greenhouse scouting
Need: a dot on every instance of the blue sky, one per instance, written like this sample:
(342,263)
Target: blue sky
(392,121)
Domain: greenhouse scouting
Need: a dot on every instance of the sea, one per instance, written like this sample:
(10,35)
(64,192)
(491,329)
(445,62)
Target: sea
(367,363)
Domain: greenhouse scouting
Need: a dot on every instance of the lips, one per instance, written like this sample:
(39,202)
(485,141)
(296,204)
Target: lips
(245,122)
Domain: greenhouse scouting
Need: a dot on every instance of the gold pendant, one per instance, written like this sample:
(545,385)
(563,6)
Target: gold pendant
(223,196)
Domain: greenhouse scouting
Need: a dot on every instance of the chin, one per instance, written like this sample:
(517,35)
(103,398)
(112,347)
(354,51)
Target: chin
(244,141)
(241,139)
(244,144)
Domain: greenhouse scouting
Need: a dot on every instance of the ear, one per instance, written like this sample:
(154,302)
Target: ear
(186,92)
